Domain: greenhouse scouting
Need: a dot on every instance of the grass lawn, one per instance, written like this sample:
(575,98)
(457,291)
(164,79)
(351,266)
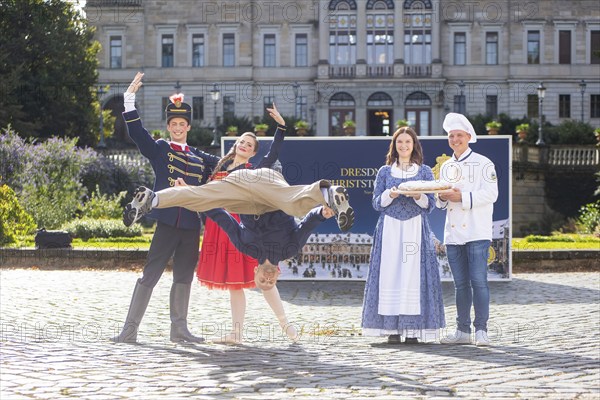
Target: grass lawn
(557,242)
(534,242)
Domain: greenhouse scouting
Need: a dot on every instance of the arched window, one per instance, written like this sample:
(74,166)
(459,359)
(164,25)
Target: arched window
(342,32)
(341,109)
(380,114)
(380,32)
(417,99)
(418,112)
(380,99)
(417,31)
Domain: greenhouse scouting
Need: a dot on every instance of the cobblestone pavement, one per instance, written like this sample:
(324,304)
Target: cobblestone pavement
(55,326)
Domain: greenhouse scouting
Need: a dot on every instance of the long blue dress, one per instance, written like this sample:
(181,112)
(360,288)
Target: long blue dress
(403,209)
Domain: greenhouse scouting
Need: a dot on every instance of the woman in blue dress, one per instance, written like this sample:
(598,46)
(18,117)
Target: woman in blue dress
(403,293)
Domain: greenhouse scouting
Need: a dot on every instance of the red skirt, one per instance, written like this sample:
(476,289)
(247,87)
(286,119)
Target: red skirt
(221,265)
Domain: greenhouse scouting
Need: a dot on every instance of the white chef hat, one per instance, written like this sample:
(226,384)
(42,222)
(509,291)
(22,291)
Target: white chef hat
(455,121)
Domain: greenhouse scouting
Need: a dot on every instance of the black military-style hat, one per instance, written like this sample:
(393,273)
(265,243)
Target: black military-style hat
(177,108)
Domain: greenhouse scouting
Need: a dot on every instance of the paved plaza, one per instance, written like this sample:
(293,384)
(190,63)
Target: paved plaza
(56,324)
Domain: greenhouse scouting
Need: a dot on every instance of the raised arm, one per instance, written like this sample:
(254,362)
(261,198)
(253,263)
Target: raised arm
(135,129)
(269,159)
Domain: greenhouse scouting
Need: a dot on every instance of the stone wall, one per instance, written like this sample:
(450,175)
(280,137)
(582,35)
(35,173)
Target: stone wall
(523,260)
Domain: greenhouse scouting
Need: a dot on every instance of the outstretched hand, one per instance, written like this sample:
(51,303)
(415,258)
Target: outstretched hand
(274,113)
(136,83)
(180,182)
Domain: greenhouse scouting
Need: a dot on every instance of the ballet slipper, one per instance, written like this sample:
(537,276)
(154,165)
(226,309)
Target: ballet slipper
(230,338)
(291,332)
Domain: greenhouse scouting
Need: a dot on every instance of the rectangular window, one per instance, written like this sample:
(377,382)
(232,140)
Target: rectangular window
(301,48)
(301,109)
(228,107)
(197,108)
(595,106)
(564,106)
(532,106)
(228,50)
(197,50)
(164,103)
(116,51)
(595,47)
(491,48)
(491,106)
(342,49)
(564,47)
(533,47)
(168,44)
(460,48)
(269,51)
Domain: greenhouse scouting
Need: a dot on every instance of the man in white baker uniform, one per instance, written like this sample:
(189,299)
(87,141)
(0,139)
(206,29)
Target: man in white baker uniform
(468,229)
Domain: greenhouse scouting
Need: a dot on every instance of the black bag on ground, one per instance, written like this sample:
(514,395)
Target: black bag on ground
(52,239)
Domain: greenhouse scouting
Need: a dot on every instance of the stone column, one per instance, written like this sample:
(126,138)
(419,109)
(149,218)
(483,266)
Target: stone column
(361,41)
(323,64)
(398,40)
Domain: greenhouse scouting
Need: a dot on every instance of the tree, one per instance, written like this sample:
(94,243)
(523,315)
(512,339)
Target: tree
(48,70)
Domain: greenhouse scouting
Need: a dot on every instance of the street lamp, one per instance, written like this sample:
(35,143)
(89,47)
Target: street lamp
(541,92)
(582,86)
(101,91)
(296,87)
(462,106)
(214,95)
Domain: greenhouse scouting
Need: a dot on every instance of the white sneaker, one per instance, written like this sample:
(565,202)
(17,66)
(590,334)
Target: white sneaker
(339,202)
(139,206)
(459,337)
(481,338)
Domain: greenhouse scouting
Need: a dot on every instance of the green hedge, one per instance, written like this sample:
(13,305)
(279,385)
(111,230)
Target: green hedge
(14,220)
(101,228)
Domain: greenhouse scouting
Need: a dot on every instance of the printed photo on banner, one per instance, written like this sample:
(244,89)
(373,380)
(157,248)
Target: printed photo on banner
(353,162)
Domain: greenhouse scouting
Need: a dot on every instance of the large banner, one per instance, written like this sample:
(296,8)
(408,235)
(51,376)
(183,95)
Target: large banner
(353,162)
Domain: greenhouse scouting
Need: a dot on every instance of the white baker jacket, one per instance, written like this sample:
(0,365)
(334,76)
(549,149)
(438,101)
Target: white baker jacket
(471,219)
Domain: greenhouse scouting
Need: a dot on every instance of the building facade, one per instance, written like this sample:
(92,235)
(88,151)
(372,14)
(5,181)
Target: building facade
(369,61)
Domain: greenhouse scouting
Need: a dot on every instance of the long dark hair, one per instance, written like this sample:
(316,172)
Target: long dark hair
(231,153)
(416,157)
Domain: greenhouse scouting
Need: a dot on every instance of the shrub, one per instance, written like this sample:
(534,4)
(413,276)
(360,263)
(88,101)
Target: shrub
(493,125)
(301,124)
(243,124)
(14,220)
(589,217)
(52,190)
(103,206)
(570,132)
(110,177)
(401,123)
(100,228)
(522,127)
(199,136)
(13,157)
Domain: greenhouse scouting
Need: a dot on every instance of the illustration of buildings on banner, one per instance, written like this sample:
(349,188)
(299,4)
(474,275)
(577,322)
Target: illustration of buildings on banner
(347,256)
